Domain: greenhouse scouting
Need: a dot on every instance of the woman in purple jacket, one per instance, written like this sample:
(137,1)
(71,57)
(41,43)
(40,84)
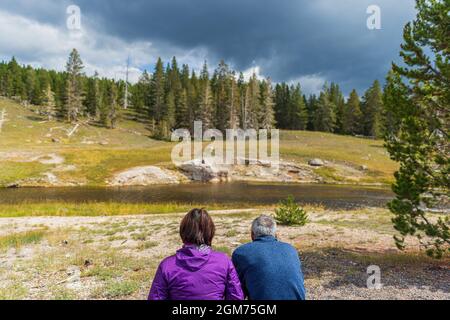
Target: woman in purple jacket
(196,272)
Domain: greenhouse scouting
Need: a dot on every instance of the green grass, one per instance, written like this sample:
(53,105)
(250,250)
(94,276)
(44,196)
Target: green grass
(11,172)
(148,245)
(15,291)
(225,249)
(231,233)
(304,145)
(16,240)
(329,174)
(61,293)
(102,273)
(139,236)
(66,209)
(117,289)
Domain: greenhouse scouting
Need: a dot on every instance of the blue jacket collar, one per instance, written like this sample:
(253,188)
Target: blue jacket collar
(266,239)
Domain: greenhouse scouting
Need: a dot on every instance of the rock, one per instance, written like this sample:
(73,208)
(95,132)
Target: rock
(205,170)
(143,176)
(364,168)
(50,178)
(50,158)
(316,163)
(87,263)
(56,140)
(13,185)
(103,143)
(66,168)
(73,281)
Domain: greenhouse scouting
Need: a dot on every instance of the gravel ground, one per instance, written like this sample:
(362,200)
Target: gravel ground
(116,257)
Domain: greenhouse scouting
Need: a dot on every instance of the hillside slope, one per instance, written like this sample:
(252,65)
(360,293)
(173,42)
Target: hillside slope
(37,152)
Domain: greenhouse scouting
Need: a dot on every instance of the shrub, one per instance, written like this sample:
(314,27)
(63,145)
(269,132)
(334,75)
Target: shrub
(290,213)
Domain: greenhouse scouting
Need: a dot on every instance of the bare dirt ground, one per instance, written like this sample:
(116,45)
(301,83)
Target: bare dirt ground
(116,257)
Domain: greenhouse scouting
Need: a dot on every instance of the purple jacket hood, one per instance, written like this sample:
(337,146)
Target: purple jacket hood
(193,258)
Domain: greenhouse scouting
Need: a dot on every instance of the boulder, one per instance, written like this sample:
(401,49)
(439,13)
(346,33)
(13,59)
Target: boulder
(316,163)
(204,170)
(143,176)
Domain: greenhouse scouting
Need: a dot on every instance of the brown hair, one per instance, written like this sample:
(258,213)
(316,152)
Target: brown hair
(197,228)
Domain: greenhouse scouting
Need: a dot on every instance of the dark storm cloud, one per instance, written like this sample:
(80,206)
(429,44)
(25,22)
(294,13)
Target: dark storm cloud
(288,39)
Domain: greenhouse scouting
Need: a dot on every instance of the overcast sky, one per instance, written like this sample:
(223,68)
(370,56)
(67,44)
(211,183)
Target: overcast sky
(311,41)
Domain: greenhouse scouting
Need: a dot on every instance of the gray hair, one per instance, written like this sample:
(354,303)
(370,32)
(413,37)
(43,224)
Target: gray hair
(264,226)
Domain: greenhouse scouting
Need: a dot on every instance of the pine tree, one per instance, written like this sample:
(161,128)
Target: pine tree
(221,85)
(174,80)
(169,116)
(112,105)
(282,100)
(338,100)
(31,85)
(192,99)
(205,100)
(372,107)
(266,114)
(92,99)
(351,115)
(140,97)
(182,112)
(242,88)
(74,69)
(297,112)
(15,85)
(234,108)
(40,87)
(49,103)
(395,94)
(157,92)
(324,116)
(419,135)
(103,112)
(311,106)
(252,103)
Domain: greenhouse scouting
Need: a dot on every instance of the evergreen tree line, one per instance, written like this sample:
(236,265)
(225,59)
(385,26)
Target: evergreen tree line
(68,95)
(174,97)
(330,111)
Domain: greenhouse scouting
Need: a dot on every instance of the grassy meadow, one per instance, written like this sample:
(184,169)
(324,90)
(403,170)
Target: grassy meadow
(94,154)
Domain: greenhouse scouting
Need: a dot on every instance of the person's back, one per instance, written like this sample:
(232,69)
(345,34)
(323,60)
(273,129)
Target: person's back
(269,269)
(196,272)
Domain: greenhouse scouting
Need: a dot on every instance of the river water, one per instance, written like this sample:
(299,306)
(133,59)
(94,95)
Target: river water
(331,196)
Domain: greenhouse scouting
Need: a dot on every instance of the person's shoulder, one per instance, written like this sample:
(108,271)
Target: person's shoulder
(243,249)
(219,255)
(166,262)
(286,246)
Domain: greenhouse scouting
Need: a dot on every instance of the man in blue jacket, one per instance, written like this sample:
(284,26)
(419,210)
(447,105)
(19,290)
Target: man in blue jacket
(269,269)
